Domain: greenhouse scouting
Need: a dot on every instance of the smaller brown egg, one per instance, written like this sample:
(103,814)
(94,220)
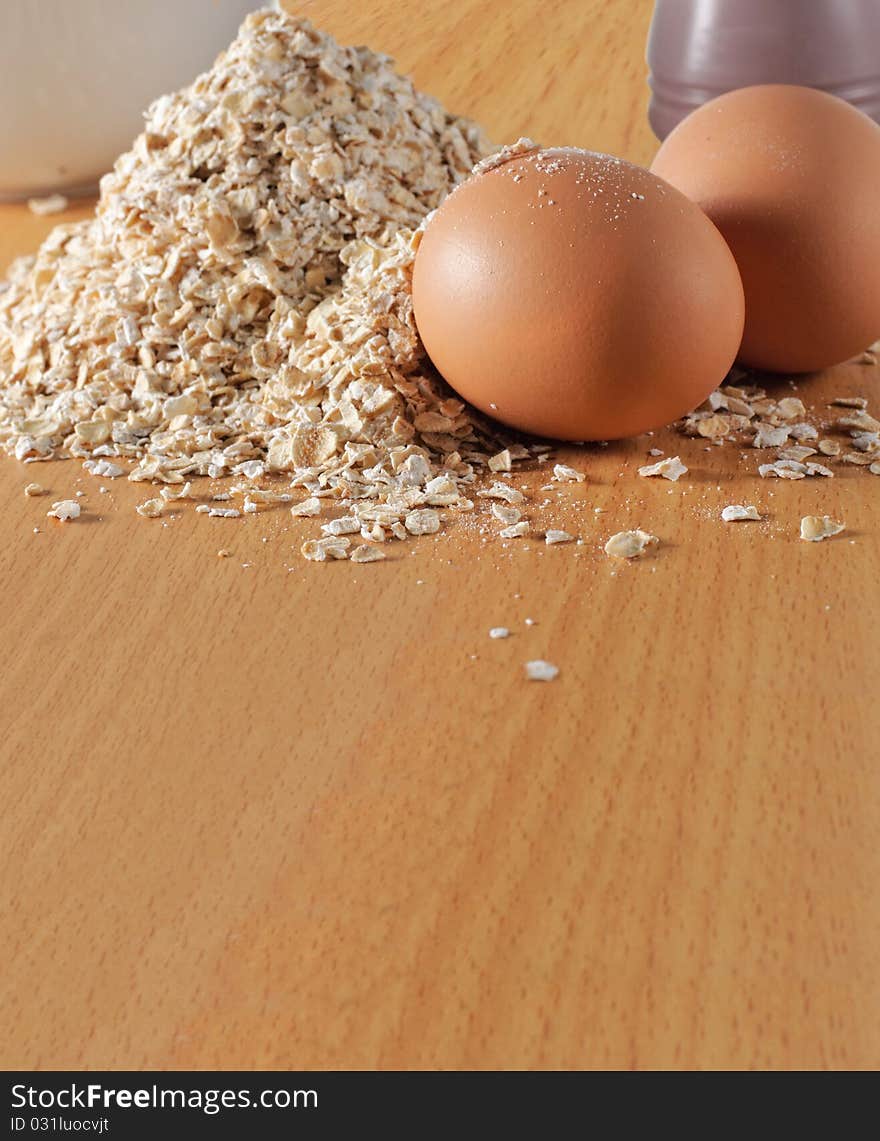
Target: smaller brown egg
(791,178)
(574,295)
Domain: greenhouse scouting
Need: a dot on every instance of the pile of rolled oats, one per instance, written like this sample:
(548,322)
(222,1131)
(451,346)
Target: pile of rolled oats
(240,303)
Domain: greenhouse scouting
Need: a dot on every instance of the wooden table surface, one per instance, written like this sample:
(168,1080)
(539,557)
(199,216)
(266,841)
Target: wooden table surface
(265,813)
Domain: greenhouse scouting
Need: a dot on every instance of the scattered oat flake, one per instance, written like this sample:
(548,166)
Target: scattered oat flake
(499,632)
(564,474)
(306,507)
(804,432)
(552,537)
(34,489)
(829,447)
(223,512)
(629,544)
(866,441)
(790,407)
(424,522)
(874,469)
(713,427)
(64,510)
(539,670)
(819,469)
(50,204)
(736,512)
(168,494)
(783,469)
(860,421)
(103,468)
(503,491)
(506,515)
(223,554)
(367,553)
(815,528)
(150,508)
(324,550)
(347,525)
(670,468)
(767,437)
(515,531)
(850,401)
(501,462)
(797,452)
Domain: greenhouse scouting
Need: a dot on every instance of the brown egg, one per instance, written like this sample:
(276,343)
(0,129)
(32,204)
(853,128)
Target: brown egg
(574,295)
(791,178)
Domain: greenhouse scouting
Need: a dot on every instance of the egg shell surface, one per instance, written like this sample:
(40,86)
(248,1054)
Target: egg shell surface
(577,296)
(791,178)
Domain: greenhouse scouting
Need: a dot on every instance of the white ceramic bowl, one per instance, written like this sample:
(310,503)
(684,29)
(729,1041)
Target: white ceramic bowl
(76,77)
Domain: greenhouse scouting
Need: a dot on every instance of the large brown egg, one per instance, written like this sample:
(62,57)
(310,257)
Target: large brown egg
(575,295)
(791,178)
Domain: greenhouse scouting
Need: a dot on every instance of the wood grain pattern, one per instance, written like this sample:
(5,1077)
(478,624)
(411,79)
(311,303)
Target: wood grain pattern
(289,815)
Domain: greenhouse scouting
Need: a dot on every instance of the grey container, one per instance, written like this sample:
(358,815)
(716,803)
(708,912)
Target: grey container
(698,49)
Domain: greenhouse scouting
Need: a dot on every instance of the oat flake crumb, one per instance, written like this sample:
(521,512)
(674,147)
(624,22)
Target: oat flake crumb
(64,510)
(815,528)
(552,537)
(736,512)
(503,491)
(629,544)
(499,632)
(366,553)
(425,522)
(501,462)
(168,494)
(34,489)
(347,525)
(515,531)
(324,550)
(671,468)
(307,507)
(564,474)
(539,670)
(150,508)
(767,437)
(783,469)
(103,468)
(506,515)
(50,204)
(798,452)
(850,402)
